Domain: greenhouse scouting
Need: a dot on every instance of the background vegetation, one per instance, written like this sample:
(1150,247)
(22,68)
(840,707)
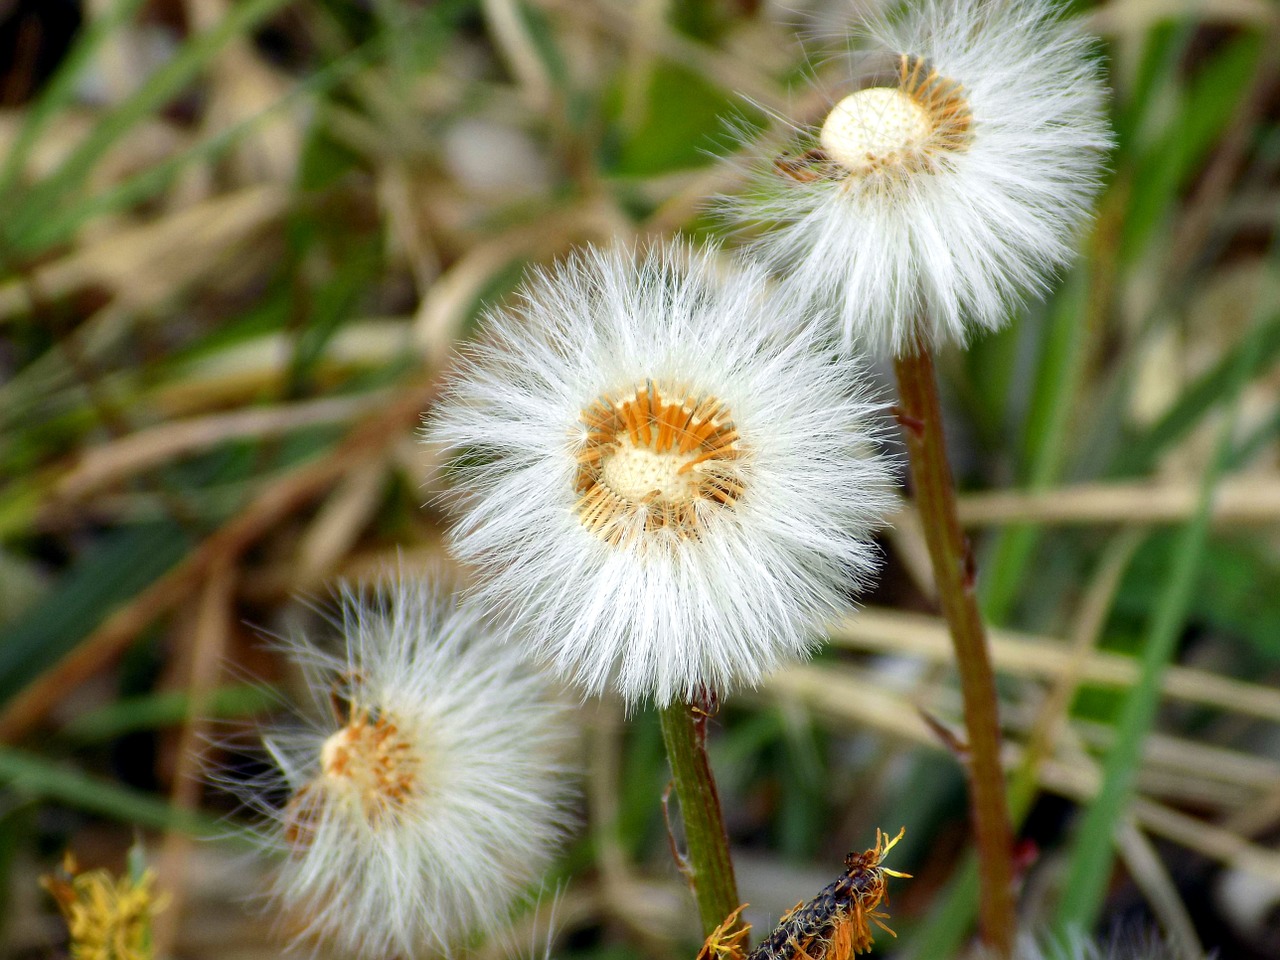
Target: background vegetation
(238,241)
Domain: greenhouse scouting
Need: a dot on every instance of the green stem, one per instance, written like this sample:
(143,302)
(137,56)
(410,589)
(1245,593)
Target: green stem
(706,863)
(921,417)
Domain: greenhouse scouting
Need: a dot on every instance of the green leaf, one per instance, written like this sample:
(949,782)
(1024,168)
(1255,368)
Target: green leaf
(107,575)
(166,708)
(684,114)
(40,778)
(1237,589)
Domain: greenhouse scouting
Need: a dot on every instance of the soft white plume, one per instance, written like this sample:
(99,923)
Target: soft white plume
(985,211)
(705,576)
(428,792)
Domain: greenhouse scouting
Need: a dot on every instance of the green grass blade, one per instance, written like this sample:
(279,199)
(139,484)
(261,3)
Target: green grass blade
(1044,441)
(1089,867)
(40,778)
(60,91)
(1140,455)
(150,182)
(108,575)
(164,709)
(26,233)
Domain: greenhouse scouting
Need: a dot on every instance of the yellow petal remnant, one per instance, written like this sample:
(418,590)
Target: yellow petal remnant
(725,942)
(108,918)
(657,457)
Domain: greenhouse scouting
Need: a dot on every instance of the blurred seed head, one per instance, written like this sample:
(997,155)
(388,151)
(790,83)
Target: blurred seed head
(429,793)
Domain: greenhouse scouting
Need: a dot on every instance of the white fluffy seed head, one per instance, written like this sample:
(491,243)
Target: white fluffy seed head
(660,484)
(930,207)
(428,793)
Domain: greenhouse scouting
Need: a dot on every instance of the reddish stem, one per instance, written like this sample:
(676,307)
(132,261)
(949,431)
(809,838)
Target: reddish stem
(954,572)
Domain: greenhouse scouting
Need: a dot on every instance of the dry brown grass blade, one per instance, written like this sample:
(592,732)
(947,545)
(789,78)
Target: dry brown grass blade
(1086,631)
(243,87)
(1152,877)
(446,305)
(211,625)
(245,372)
(295,489)
(339,522)
(1136,17)
(146,264)
(1174,767)
(853,698)
(1022,654)
(508,27)
(111,462)
(1242,500)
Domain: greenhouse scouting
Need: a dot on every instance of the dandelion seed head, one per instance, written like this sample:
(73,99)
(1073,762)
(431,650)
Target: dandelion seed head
(660,485)
(428,789)
(929,203)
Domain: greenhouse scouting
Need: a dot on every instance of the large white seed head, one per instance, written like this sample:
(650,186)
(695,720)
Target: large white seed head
(666,479)
(871,127)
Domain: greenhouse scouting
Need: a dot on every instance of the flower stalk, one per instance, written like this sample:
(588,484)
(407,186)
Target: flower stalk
(706,863)
(921,417)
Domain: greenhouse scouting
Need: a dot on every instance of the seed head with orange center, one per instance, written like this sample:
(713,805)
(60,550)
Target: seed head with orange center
(431,795)
(934,196)
(660,460)
(658,485)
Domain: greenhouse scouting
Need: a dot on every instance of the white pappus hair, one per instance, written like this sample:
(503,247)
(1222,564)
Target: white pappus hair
(934,215)
(430,792)
(665,481)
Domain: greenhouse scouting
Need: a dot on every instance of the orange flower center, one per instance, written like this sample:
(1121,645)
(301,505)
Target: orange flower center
(656,460)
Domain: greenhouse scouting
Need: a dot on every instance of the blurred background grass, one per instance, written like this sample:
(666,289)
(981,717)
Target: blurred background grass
(238,241)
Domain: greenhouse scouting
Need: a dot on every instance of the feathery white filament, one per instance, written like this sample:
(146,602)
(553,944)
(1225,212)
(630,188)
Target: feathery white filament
(659,486)
(424,809)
